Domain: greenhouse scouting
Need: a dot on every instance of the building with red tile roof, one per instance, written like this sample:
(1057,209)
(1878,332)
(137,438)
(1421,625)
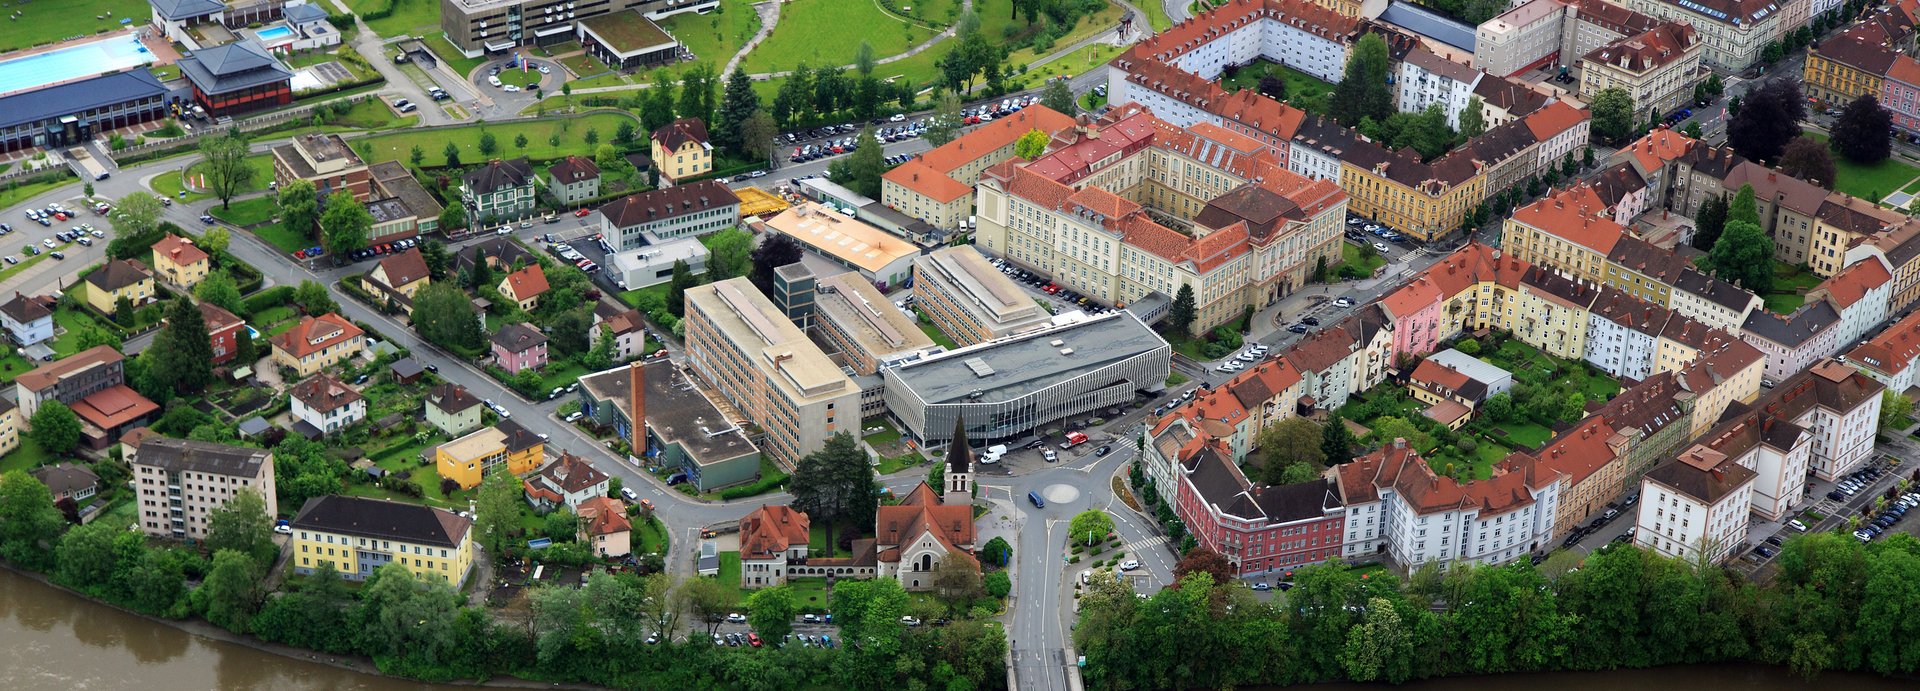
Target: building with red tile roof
(1657,68)
(937,186)
(316,343)
(1501,518)
(1891,355)
(770,537)
(604,526)
(913,536)
(525,286)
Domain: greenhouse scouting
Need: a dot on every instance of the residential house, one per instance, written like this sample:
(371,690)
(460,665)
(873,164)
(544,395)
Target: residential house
(323,405)
(453,409)
(398,277)
(28,318)
(518,346)
(498,190)
(1842,222)
(1900,93)
(1891,355)
(1396,504)
(524,287)
(326,161)
(604,527)
(573,180)
(70,481)
(1853,63)
(93,383)
(1454,384)
(10,420)
(628,326)
(681,150)
(177,260)
(224,331)
(317,343)
(181,482)
(119,278)
(504,445)
(567,483)
(1658,68)
(355,536)
(1260,529)
(1426,79)
(771,537)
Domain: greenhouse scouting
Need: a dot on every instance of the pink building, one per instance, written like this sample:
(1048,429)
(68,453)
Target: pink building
(1900,93)
(1415,312)
(1260,529)
(518,346)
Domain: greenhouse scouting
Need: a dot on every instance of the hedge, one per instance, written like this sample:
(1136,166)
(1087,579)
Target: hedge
(245,277)
(271,297)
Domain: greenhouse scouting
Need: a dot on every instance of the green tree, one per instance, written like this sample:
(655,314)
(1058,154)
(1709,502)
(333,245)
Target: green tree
(1860,133)
(770,611)
(677,289)
(29,523)
(1057,96)
(313,298)
(1363,90)
(1031,145)
(55,428)
(945,123)
(445,316)
(520,141)
(488,144)
(863,59)
(1573,407)
(1378,645)
(231,592)
(1090,527)
(182,352)
(136,225)
(560,526)
(215,240)
(708,600)
(861,170)
(737,105)
(1181,314)
(1768,118)
(1612,111)
(123,313)
(997,552)
(729,254)
(779,249)
(242,525)
(1287,443)
(1808,160)
(756,136)
(84,557)
(1743,256)
(1473,122)
(656,107)
(1499,407)
(1744,207)
(1709,222)
(1896,411)
(345,223)
(218,289)
(957,581)
(224,163)
(601,355)
(452,154)
(1336,441)
(697,85)
(497,511)
(434,253)
(453,217)
(416,155)
(834,485)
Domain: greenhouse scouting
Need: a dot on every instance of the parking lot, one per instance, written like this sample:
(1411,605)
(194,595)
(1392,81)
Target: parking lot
(1057,297)
(827,141)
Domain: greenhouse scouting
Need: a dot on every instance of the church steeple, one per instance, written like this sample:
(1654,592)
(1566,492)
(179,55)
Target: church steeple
(959,484)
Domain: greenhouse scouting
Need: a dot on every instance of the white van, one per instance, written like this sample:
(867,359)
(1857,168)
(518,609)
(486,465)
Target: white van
(993,454)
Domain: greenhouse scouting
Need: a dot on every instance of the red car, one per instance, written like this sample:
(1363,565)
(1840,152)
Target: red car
(753,639)
(581,213)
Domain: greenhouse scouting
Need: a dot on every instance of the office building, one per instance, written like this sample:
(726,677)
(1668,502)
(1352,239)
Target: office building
(969,300)
(877,255)
(637,221)
(482,27)
(326,161)
(767,369)
(868,331)
(684,428)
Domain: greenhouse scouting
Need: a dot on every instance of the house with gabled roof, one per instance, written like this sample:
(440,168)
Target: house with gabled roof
(317,343)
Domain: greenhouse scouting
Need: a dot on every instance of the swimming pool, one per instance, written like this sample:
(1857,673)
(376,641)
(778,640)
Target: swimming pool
(274,33)
(72,62)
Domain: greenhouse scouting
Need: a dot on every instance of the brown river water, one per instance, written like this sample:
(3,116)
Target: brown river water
(51,640)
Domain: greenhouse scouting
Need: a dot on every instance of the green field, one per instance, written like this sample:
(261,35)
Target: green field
(247,212)
(286,240)
(1790,286)
(1870,182)
(397,146)
(29,455)
(409,16)
(804,23)
(1303,90)
(15,194)
(714,37)
(371,114)
(47,22)
(170,184)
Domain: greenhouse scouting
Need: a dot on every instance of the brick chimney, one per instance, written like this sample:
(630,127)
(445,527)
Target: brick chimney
(637,400)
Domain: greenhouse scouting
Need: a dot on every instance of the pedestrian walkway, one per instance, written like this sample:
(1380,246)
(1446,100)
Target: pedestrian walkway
(1144,544)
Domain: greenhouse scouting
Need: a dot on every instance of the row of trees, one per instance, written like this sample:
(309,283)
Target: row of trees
(1836,605)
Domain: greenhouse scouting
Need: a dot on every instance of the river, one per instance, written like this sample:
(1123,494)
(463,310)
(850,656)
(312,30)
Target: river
(51,640)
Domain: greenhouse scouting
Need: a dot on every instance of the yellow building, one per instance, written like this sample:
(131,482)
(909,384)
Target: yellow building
(1658,69)
(467,459)
(356,536)
(120,278)
(1842,221)
(681,150)
(1346,8)
(1550,313)
(1570,231)
(316,343)
(179,262)
(1854,62)
(398,277)
(1409,196)
(9,427)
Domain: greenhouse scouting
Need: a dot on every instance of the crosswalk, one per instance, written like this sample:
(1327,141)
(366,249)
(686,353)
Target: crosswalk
(1144,544)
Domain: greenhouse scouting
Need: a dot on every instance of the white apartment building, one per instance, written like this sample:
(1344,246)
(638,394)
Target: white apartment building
(1734,31)
(1427,79)
(1697,502)
(181,482)
(1397,505)
(1520,38)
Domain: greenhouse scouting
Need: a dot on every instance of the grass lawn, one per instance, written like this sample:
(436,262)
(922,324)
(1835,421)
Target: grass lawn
(714,37)
(933,332)
(72,321)
(888,435)
(1790,286)
(817,542)
(1526,434)
(371,114)
(1351,255)
(1089,25)
(1304,91)
(398,146)
(632,297)
(1869,182)
(451,56)
(46,22)
(171,184)
(13,365)
(803,23)
(28,455)
(1078,61)
(653,537)
(809,593)
(528,79)
(562,373)
(278,236)
(247,212)
(165,72)
(272,316)
(12,195)
(730,576)
(409,16)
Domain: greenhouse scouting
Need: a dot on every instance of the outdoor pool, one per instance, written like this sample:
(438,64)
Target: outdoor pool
(72,62)
(274,33)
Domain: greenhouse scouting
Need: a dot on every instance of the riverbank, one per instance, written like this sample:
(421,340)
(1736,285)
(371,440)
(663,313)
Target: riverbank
(206,632)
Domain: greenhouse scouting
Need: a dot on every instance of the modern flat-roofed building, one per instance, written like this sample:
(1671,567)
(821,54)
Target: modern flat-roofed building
(652,264)
(326,161)
(869,331)
(684,429)
(69,379)
(236,78)
(969,300)
(626,40)
(694,209)
(467,459)
(1007,388)
(77,111)
(763,365)
(357,536)
(392,181)
(879,256)
(480,27)
(180,482)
